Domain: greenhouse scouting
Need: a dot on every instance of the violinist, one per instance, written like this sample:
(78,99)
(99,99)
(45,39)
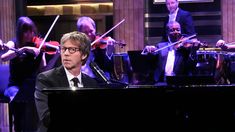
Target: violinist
(223,75)
(101,52)
(26,61)
(177,59)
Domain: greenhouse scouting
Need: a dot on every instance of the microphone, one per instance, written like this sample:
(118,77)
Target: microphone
(95,68)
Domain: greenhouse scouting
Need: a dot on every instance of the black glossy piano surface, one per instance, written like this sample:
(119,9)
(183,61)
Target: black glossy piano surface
(143,108)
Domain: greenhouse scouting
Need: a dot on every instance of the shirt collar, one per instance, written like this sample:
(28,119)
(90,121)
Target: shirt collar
(70,76)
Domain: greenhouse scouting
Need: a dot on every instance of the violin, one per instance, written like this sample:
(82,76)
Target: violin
(97,39)
(189,43)
(51,47)
(103,43)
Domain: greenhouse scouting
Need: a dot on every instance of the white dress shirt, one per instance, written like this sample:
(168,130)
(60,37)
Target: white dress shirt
(170,63)
(70,77)
(172,16)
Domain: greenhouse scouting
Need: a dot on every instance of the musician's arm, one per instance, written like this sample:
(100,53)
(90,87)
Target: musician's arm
(231,47)
(43,63)
(52,62)
(10,54)
(224,46)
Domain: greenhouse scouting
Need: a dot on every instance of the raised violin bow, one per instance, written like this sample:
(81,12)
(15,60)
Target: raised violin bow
(43,41)
(177,42)
(107,32)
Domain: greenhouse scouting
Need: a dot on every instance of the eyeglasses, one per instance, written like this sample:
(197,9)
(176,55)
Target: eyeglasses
(71,49)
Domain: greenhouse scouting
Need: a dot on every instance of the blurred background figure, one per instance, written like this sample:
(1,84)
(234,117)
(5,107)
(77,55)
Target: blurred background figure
(75,50)
(183,17)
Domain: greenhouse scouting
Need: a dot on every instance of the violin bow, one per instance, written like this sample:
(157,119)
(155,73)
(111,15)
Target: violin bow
(177,42)
(43,41)
(107,32)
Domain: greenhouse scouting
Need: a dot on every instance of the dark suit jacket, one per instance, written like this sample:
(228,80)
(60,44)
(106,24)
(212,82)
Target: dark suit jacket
(180,65)
(49,79)
(185,20)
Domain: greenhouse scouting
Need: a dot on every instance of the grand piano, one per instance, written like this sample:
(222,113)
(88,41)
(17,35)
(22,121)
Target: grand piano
(143,108)
(194,103)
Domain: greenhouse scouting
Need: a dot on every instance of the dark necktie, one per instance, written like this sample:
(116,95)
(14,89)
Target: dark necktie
(75,81)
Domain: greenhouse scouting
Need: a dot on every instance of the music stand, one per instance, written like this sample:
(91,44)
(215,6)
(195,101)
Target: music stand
(142,63)
(143,66)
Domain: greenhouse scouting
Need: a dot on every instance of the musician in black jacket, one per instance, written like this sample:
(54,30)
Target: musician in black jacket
(177,59)
(75,49)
